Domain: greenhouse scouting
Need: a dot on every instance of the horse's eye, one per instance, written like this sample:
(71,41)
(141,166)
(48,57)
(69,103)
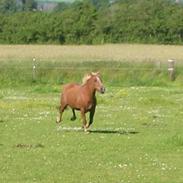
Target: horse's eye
(95,80)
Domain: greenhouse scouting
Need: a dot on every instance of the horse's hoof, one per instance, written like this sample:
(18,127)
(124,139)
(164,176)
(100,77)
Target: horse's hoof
(73,118)
(58,120)
(86,131)
(87,126)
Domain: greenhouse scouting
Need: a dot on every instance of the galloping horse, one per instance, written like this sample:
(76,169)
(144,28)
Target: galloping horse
(82,97)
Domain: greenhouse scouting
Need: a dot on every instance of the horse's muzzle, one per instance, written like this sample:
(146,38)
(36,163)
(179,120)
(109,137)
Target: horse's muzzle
(102,90)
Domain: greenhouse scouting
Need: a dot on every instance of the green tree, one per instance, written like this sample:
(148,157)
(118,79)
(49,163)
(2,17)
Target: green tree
(29,5)
(8,6)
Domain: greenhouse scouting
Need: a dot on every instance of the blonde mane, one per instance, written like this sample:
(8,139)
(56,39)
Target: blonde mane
(88,76)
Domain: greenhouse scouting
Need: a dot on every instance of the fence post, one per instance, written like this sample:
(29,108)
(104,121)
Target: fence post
(171,69)
(34,70)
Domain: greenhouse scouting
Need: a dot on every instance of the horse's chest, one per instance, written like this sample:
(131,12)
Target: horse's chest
(85,102)
(89,105)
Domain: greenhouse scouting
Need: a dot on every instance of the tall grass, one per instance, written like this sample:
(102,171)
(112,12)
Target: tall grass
(114,52)
(120,65)
(113,73)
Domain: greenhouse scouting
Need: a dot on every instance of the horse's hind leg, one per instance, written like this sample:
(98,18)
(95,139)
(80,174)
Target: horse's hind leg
(61,110)
(74,115)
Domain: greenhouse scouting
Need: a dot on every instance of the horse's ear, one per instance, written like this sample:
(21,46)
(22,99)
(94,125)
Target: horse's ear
(95,73)
(92,74)
(98,73)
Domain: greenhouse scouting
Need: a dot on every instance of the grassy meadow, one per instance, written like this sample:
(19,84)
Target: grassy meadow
(136,136)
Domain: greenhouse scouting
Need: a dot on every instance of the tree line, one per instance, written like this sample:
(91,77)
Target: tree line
(93,22)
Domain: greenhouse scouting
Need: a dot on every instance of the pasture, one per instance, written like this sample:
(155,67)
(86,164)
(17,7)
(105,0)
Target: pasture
(108,52)
(136,136)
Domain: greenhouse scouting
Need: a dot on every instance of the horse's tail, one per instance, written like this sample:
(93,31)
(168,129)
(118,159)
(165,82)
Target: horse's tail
(58,107)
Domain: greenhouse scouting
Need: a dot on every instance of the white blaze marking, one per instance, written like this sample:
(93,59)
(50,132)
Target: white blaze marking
(99,81)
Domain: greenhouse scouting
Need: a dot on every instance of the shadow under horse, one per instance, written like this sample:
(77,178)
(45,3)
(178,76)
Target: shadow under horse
(113,131)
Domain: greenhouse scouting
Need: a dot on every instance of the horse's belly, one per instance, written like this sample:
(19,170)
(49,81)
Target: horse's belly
(78,106)
(78,101)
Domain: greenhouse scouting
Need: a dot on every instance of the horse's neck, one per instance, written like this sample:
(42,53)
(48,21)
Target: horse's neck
(89,90)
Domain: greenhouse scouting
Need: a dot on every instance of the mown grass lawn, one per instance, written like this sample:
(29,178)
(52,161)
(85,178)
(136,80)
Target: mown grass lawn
(136,137)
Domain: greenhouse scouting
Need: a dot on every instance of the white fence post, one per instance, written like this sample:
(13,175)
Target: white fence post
(171,69)
(34,70)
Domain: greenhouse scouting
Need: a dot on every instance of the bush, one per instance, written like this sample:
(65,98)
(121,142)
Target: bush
(92,22)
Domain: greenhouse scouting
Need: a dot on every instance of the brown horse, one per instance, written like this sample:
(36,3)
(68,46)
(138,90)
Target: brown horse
(81,97)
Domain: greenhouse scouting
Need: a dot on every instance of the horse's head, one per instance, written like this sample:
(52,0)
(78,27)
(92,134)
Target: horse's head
(95,81)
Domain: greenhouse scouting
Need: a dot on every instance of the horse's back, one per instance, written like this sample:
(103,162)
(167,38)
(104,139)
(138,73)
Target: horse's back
(71,89)
(70,86)
(70,94)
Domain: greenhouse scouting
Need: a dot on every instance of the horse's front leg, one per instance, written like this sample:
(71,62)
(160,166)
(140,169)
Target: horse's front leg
(92,112)
(83,117)
(74,115)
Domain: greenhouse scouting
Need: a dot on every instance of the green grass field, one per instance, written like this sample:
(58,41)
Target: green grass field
(136,136)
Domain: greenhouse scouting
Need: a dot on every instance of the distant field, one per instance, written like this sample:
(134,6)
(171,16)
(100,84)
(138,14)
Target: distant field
(115,52)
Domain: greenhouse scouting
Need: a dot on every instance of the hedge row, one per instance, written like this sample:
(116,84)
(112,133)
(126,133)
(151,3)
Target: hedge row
(140,21)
